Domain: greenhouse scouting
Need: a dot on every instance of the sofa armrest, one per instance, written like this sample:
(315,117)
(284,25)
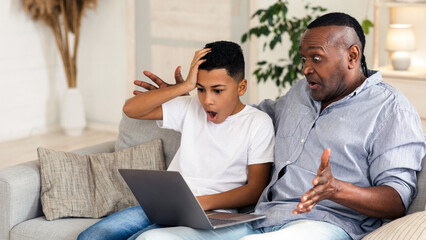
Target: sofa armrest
(20,190)
(19,195)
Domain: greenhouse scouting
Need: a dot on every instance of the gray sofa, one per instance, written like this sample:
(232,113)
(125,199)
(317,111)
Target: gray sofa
(21,215)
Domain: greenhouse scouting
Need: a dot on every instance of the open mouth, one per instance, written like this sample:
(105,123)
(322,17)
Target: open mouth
(211,116)
(312,84)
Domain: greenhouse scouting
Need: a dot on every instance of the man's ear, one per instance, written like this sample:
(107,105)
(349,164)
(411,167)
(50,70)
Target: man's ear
(354,56)
(242,87)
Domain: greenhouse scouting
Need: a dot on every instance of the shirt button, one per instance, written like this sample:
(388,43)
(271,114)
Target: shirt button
(288,162)
(302,141)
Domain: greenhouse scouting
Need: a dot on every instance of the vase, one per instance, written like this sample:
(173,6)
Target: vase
(73,119)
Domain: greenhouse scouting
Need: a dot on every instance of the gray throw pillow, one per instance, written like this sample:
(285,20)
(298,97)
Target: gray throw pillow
(73,185)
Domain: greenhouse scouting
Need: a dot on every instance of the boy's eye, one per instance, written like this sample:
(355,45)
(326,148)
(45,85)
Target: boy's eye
(200,89)
(218,90)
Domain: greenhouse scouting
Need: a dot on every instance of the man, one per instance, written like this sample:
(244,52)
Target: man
(368,133)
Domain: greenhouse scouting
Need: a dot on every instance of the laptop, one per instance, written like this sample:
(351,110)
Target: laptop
(167,200)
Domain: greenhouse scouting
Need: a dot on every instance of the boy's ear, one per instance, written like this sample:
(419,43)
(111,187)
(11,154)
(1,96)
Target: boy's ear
(242,87)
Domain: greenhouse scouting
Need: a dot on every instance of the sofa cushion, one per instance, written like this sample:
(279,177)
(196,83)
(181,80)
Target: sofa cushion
(40,228)
(412,226)
(133,132)
(419,202)
(90,185)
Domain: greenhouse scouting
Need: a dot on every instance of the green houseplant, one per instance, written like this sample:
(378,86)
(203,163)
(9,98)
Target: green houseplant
(276,26)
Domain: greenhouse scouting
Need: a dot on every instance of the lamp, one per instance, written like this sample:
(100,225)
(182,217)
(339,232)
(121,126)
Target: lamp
(400,40)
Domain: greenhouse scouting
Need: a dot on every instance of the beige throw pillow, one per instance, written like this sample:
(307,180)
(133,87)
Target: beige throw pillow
(73,185)
(412,226)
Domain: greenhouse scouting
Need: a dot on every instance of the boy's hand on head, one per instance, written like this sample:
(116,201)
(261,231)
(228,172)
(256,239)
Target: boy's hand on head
(191,80)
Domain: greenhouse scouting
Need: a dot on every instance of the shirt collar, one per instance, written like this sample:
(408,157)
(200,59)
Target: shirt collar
(374,78)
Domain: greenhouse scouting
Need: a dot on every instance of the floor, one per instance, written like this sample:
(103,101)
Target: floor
(24,150)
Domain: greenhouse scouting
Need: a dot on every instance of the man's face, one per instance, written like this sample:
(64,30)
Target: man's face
(325,63)
(219,94)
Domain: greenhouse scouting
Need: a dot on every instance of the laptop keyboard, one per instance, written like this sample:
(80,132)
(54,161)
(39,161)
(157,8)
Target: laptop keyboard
(216,221)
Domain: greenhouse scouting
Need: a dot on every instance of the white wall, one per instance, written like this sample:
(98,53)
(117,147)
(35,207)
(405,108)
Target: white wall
(168,32)
(32,76)
(31,73)
(104,61)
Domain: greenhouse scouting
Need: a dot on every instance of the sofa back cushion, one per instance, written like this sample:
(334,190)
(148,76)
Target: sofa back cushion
(133,132)
(419,203)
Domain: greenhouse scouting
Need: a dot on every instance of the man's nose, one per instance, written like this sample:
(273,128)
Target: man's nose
(307,68)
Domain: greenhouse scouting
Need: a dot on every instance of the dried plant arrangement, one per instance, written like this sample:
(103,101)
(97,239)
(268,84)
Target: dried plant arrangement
(64,18)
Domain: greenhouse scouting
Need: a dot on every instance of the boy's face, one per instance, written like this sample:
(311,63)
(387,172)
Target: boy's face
(219,94)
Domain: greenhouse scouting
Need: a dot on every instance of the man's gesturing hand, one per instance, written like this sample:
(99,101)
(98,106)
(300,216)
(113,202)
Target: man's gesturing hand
(325,186)
(157,80)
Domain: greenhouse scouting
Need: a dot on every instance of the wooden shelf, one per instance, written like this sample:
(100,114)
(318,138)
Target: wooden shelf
(394,3)
(414,73)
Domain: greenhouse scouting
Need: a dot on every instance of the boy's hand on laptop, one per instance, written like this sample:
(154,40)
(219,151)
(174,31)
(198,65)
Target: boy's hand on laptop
(191,80)
(160,83)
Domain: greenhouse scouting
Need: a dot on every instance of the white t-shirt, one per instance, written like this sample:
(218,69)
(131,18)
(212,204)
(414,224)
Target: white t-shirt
(214,158)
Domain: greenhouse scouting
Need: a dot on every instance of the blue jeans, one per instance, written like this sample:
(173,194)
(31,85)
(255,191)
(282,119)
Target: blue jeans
(132,223)
(302,229)
(125,224)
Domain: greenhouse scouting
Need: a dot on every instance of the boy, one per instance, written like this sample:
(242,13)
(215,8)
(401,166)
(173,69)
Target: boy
(226,147)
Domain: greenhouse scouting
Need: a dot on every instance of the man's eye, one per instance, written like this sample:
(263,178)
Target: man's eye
(218,91)
(200,89)
(316,59)
(303,59)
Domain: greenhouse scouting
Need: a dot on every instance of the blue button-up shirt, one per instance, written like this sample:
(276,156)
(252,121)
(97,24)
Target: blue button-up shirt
(375,138)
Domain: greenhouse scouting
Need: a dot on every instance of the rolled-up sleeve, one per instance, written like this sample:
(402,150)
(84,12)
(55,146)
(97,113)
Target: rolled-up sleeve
(396,153)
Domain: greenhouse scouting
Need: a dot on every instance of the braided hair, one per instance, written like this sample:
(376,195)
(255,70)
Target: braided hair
(342,19)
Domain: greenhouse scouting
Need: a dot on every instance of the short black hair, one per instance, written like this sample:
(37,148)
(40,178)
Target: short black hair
(227,55)
(343,19)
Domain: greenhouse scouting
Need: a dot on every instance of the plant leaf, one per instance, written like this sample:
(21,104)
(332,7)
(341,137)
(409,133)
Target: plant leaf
(244,38)
(366,25)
